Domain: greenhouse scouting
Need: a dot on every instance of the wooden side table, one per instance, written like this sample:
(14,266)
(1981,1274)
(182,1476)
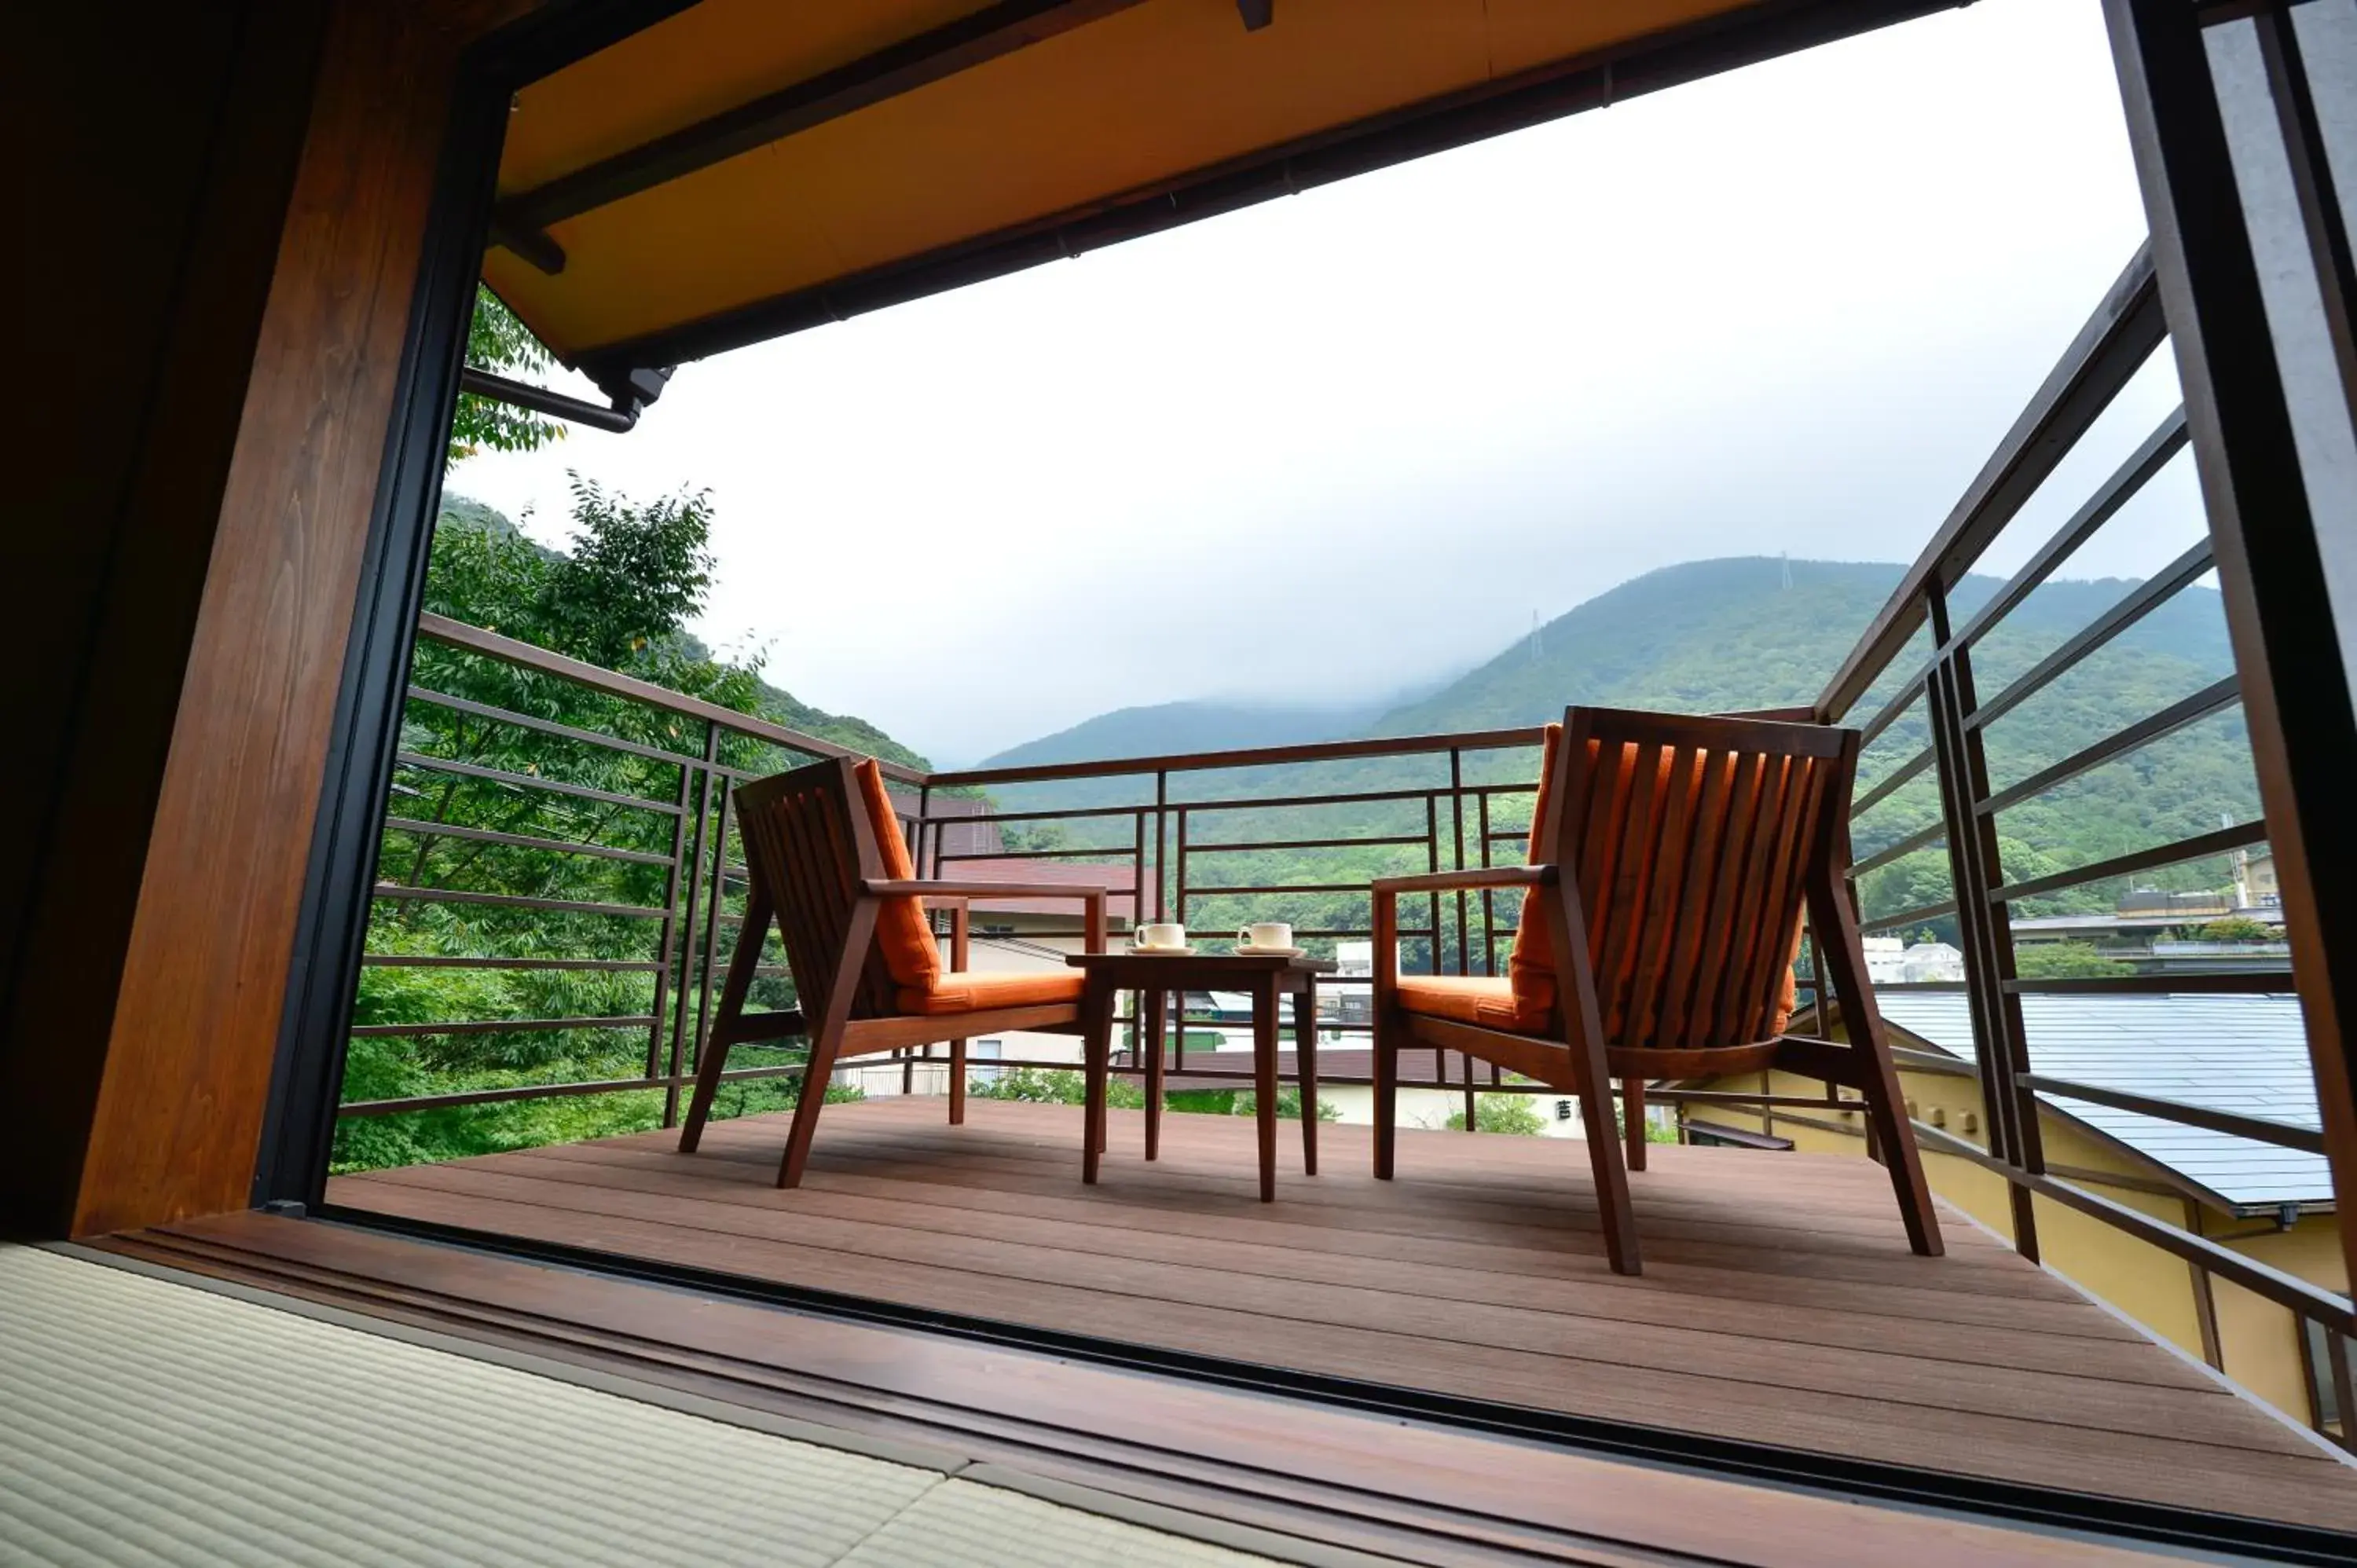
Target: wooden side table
(1153,976)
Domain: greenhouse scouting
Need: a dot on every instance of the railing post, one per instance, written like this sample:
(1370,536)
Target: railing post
(685,949)
(671,943)
(1456,810)
(711,965)
(2255,277)
(1999,1038)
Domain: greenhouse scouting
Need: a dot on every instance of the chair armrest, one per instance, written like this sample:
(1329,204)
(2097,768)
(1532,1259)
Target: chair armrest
(962,891)
(1472,877)
(953,894)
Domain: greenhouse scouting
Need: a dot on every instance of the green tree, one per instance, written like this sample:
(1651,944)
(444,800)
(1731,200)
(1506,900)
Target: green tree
(499,342)
(2065,961)
(1501,1113)
(2236,929)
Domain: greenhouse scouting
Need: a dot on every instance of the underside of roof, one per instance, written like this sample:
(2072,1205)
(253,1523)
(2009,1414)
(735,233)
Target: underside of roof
(744,168)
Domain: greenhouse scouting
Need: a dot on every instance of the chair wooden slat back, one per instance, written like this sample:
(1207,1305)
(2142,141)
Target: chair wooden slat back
(1693,835)
(809,847)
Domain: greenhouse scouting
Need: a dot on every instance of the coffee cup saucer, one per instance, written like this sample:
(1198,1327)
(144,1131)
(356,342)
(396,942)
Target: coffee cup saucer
(1245,950)
(1179,952)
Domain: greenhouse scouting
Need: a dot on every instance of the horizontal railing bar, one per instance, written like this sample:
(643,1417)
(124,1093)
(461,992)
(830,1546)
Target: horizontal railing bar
(534,781)
(1891,783)
(521,841)
(2238,1268)
(1908,917)
(547,1091)
(2218,694)
(2221,983)
(1123,852)
(1930,1061)
(474,640)
(1922,838)
(2130,478)
(1257,892)
(2201,846)
(499,1026)
(2147,597)
(551,728)
(1891,711)
(395,895)
(1193,848)
(2110,348)
(1074,814)
(2258,1130)
(1250,756)
(1257,803)
(443,961)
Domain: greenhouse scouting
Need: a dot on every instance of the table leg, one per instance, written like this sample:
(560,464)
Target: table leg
(1155,1013)
(1096,1048)
(1304,1055)
(1264,1005)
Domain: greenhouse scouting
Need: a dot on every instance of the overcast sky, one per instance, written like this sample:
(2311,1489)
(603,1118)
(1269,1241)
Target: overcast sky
(1347,441)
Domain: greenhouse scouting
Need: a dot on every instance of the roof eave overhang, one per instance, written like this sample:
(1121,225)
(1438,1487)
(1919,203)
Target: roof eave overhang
(1565,87)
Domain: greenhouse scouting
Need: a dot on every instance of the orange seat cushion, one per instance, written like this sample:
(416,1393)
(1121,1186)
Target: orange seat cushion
(1471,999)
(960,991)
(904,938)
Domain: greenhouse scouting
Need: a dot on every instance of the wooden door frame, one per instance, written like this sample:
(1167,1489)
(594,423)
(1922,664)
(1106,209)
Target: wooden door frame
(323,970)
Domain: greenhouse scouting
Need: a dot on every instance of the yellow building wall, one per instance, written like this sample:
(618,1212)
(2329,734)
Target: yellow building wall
(2258,1342)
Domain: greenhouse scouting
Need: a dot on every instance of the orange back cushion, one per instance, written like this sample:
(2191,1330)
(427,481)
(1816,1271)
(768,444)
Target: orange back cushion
(903,937)
(1531,968)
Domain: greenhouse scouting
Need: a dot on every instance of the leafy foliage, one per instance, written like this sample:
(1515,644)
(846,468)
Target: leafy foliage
(619,598)
(1501,1113)
(496,341)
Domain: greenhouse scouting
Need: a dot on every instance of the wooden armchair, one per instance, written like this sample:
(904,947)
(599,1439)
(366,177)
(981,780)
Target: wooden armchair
(1669,861)
(824,849)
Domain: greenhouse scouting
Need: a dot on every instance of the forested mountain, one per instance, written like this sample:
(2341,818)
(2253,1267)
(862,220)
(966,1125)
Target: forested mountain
(1714,636)
(1206,725)
(462,516)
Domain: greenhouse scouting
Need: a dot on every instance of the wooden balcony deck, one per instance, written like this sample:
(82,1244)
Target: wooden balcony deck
(1779,1305)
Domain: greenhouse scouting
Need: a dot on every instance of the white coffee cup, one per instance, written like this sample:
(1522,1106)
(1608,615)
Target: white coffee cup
(1265,934)
(1159,937)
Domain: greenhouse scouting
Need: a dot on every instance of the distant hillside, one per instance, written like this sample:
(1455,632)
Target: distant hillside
(1715,635)
(1721,634)
(1207,726)
(778,705)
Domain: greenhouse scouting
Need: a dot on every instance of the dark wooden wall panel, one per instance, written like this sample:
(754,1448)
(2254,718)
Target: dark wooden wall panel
(195,1029)
(146,231)
(219,245)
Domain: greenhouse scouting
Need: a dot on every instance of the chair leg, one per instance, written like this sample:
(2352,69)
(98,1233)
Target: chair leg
(1840,958)
(1884,1115)
(957,1083)
(1386,1095)
(807,1104)
(1632,1120)
(1153,1030)
(712,1060)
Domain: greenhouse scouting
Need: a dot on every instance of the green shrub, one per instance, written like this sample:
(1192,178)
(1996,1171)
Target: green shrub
(1502,1113)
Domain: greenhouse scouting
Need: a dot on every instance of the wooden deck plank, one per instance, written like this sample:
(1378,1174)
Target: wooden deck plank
(1242,1451)
(1476,1286)
(1581,1300)
(2073,1316)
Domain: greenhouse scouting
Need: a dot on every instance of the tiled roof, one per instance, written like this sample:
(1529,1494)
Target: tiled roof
(2245,1054)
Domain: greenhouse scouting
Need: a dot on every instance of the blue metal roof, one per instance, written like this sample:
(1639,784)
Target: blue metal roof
(2245,1054)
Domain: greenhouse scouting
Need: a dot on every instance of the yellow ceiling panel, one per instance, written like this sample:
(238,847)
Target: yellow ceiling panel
(709,57)
(1137,104)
